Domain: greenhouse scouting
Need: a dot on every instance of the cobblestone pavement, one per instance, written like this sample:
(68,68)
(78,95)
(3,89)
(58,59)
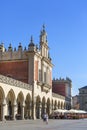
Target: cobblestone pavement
(40,125)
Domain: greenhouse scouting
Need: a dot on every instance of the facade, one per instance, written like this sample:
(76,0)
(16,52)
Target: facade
(26,81)
(63,87)
(83,98)
(75,102)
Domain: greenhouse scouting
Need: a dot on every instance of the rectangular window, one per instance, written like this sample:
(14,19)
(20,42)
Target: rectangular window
(39,75)
(44,77)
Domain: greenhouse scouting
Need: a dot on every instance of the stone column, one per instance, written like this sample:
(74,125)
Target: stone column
(4,110)
(15,110)
(34,110)
(40,107)
(50,109)
(45,106)
(30,110)
(23,105)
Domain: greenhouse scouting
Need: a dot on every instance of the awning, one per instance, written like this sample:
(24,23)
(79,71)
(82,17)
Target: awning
(60,111)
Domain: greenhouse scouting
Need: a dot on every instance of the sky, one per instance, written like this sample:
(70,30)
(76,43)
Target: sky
(66,27)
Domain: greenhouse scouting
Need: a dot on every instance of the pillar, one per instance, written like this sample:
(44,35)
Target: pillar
(50,109)
(4,110)
(45,106)
(23,105)
(40,107)
(34,111)
(30,110)
(15,110)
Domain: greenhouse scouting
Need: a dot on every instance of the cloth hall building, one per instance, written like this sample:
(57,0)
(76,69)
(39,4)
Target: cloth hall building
(26,81)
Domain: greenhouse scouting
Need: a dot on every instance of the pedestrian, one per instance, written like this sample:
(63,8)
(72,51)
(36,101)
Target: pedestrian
(44,117)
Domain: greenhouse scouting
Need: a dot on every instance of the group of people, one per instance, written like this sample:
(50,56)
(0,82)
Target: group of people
(45,118)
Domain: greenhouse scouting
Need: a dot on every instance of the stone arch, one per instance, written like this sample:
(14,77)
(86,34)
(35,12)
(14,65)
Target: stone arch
(28,106)
(10,103)
(20,104)
(2,97)
(38,105)
(48,107)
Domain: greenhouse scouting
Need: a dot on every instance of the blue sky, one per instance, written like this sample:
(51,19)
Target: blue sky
(66,26)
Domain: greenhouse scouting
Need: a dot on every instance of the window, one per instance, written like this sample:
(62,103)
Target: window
(39,75)
(44,77)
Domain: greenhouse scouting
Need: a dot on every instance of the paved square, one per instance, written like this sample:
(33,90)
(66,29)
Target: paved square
(40,125)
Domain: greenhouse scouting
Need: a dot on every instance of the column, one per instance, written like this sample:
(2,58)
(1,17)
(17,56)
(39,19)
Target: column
(4,110)
(15,110)
(45,106)
(30,110)
(34,110)
(50,109)
(40,107)
(23,105)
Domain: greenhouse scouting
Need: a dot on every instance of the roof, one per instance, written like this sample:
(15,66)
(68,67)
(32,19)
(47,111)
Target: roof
(85,87)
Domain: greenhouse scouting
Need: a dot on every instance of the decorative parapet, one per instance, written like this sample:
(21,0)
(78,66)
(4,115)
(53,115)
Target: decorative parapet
(58,96)
(62,80)
(13,82)
(13,54)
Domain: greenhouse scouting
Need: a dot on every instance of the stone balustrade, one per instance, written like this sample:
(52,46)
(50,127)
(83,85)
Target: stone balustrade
(13,82)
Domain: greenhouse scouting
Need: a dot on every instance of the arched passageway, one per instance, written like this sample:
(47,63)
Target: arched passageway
(38,107)
(28,107)
(20,106)
(10,104)
(48,106)
(43,105)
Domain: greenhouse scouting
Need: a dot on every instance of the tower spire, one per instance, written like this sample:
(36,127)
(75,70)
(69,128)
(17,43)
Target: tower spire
(43,27)
(43,35)
(31,41)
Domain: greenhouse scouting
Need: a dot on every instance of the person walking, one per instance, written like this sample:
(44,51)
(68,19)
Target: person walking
(44,117)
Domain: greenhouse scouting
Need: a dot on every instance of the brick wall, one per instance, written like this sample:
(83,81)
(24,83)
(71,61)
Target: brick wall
(17,70)
(59,88)
(36,70)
